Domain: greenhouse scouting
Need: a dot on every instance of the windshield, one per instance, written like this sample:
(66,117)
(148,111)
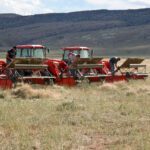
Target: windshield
(28,52)
(82,53)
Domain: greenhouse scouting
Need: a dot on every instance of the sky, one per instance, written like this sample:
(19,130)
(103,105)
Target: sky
(31,7)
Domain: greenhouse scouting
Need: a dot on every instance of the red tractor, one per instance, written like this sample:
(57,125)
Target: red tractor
(86,66)
(31,65)
(98,69)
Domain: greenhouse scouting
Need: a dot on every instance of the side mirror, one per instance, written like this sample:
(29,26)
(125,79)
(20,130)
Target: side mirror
(48,50)
(63,55)
(92,52)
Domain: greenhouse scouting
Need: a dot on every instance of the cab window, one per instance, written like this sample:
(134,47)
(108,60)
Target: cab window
(84,54)
(36,53)
(66,53)
(18,53)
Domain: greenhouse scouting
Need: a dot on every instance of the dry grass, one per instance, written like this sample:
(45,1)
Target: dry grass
(108,116)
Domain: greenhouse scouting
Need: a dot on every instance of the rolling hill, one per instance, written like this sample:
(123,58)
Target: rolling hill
(109,32)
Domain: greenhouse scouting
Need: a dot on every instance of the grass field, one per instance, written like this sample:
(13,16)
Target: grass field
(86,117)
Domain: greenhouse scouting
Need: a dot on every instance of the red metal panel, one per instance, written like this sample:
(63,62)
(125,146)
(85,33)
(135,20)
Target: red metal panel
(30,46)
(115,78)
(69,81)
(136,77)
(95,79)
(76,48)
(5,84)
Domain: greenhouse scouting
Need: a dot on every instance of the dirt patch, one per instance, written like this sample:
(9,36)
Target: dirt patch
(95,142)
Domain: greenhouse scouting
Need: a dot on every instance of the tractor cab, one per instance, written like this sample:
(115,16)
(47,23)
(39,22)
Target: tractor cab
(30,54)
(31,51)
(84,52)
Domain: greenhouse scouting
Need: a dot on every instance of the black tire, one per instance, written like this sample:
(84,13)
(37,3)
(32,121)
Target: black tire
(12,75)
(128,75)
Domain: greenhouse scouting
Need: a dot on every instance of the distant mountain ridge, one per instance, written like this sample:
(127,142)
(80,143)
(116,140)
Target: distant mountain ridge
(110,32)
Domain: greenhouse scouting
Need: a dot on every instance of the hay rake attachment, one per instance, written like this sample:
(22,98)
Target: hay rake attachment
(133,69)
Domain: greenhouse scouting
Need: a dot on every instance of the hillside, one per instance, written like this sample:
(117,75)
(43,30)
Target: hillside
(119,32)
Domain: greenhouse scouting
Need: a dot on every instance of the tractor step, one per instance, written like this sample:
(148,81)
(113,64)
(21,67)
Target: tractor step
(89,66)
(95,76)
(30,66)
(37,77)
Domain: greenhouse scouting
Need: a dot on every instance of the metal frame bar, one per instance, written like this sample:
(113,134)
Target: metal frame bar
(30,66)
(137,66)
